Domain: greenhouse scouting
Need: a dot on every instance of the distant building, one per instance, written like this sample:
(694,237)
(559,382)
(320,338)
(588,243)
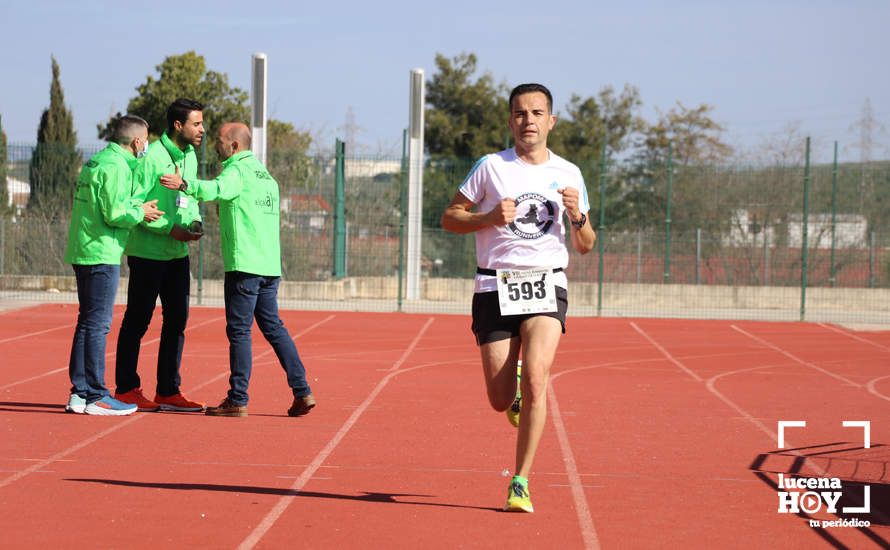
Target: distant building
(17,193)
(305,212)
(364,167)
(850,231)
(747,230)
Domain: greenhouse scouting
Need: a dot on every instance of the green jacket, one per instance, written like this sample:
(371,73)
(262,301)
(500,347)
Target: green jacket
(152,240)
(249,214)
(104,209)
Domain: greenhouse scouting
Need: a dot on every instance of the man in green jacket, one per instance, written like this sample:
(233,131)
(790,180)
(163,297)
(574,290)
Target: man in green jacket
(249,216)
(158,257)
(104,211)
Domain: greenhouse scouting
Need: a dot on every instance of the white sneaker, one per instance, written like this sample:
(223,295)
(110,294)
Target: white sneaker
(109,406)
(76,404)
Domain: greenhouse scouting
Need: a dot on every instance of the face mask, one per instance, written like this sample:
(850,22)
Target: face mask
(140,154)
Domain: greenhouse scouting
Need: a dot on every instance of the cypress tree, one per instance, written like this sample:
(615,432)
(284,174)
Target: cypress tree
(56,161)
(4,191)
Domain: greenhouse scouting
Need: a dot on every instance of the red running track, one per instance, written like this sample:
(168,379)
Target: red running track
(662,433)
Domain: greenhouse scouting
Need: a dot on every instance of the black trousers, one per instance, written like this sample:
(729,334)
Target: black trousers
(150,279)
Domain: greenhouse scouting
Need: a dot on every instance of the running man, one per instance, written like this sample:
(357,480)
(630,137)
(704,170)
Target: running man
(515,201)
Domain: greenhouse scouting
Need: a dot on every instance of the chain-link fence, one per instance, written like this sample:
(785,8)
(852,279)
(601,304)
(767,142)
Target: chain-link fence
(674,240)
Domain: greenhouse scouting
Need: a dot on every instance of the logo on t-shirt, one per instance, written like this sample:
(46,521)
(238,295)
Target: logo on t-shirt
(266,203)
(534,216)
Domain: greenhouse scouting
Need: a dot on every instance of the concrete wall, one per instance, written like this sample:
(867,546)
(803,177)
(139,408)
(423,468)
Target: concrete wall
(618,298)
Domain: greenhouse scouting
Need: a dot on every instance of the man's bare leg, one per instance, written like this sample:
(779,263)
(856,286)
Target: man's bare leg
(540,338)
(499,368)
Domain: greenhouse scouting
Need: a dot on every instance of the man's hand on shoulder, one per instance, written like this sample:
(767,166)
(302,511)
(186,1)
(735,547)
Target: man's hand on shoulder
(172,181)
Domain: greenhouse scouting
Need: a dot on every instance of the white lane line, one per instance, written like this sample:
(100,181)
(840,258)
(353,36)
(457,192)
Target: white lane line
(855,337)
(62,454)
(283,502)
(135,417)
(588,531)
(664,352)
(872,389)
(108,355)
(795,358)
(38,333)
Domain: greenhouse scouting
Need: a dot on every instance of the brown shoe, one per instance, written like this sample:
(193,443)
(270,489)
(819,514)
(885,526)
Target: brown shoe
(227,408)
(301,405)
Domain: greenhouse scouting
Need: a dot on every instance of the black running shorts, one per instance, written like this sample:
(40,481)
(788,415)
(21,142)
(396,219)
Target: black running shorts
(490,326)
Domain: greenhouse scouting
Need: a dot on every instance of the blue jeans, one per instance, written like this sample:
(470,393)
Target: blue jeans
(250,297)
(149,279)
(96,289)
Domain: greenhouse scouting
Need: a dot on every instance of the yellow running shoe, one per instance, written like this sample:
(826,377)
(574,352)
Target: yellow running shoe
(516,407)
(518,497)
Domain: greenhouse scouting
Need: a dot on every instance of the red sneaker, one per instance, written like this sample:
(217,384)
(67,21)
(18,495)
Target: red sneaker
(136,397)
(178,403)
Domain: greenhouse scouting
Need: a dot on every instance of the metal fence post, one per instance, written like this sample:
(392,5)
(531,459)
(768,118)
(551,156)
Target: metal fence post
(765,257)
(600,230)
(667,219)
(871,260)
(403,212)
(340,211)
(804,252)
(697,255)
(833,271)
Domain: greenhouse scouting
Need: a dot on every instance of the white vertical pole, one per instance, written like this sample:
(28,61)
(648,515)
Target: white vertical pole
(258,114)
(415,184)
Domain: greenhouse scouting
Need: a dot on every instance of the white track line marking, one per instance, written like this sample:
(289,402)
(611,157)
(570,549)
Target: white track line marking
(272,516)
(108,355)
(135,417)
(664,352)
(588,531)
(870,386)
(268,351)
(795,358)
(297,334)
(62,454)
(19,309)
(855,337)
(26,380)
(38,333)
(711,386)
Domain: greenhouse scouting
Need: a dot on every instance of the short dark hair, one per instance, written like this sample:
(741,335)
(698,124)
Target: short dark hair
(126,127)
(179,111)
(529,88)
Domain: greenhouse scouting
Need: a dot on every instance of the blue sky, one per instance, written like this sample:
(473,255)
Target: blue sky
(762,65)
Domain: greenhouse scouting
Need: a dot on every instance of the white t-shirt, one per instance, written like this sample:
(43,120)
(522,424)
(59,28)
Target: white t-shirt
(536,238)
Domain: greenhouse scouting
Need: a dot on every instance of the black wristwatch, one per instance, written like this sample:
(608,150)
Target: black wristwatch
(183,186)
(580,223)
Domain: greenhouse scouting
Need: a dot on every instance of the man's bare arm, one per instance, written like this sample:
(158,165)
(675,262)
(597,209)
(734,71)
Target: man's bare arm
(459,217)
